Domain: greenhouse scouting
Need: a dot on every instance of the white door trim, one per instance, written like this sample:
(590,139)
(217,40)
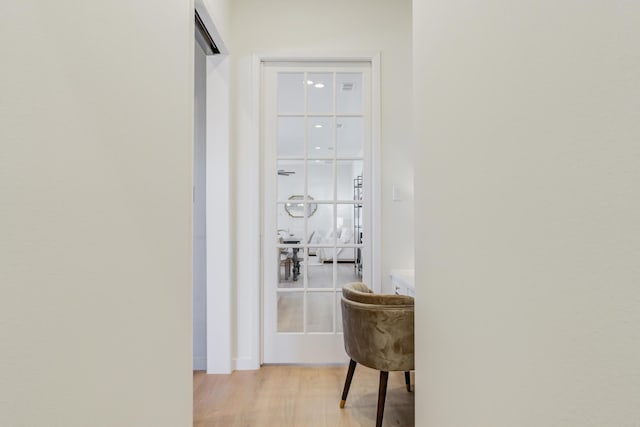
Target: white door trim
(218,217)
(256,133)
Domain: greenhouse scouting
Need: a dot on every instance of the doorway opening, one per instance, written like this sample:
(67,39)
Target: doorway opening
(199,274)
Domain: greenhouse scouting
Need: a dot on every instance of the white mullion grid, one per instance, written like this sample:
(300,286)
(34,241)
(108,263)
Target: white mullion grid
(306,181)
(349,115)
(366,260)
(334,265)
(279,247)
(305,201)
(317,115)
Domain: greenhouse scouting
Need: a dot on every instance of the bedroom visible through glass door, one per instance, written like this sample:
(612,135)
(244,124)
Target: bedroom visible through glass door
(316,152)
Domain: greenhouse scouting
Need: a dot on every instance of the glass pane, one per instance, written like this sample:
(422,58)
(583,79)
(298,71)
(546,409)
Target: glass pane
(319,274)
(319,225)
(348,272)
(346,223)
(286,268)
(320,93)
(320,179)
(349,93)
(290,179)
(291,137)
(347,174)
(328,255)
(320,137)
(349,136)
(290,314)
(297,207)
(290,93)
(338,312)
(320,311)
(289,228)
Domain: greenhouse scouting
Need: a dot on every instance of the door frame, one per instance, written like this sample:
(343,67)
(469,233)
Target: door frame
(373,58)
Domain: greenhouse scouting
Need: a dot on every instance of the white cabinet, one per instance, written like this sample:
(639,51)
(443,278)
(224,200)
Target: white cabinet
(403,282)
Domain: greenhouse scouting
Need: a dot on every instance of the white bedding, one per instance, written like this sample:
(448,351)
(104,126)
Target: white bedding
(345,237)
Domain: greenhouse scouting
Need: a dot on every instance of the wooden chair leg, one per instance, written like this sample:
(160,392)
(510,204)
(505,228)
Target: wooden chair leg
(407,380)
(382,395)
(347,383)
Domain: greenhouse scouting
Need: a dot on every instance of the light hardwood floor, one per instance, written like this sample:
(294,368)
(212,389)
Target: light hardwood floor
(297,396)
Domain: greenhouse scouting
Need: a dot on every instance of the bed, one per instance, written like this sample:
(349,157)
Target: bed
(344,237)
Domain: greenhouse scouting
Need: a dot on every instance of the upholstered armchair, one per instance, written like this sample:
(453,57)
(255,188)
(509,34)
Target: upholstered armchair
(378,333)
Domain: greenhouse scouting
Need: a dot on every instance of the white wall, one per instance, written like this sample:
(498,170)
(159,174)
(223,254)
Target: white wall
(95,183)
(527,195)
(217,20)
(282,26)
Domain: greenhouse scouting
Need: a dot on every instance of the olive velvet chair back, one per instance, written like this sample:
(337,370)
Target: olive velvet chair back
(378,329)
(378,333)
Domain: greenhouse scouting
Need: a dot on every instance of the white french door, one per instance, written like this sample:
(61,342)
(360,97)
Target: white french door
(316,135)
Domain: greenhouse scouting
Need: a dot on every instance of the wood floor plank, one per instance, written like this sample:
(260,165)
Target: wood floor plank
(298,396)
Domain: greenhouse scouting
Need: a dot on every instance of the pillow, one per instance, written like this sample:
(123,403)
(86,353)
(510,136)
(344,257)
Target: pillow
(346,235)
(310,240)
(317,237)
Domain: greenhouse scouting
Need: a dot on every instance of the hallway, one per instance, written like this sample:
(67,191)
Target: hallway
(297,396)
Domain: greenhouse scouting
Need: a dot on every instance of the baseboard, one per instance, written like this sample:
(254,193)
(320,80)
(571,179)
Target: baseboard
(245,364)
